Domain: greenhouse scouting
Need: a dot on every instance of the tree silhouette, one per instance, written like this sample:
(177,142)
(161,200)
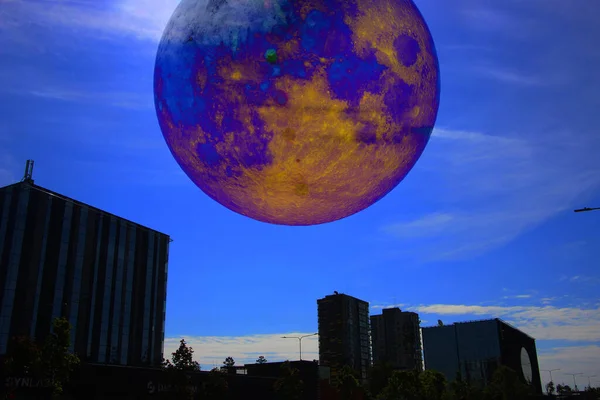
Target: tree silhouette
(346,382)
(379,375)
(261,360)
(179,370)
(216,388)
(563,389)
(183,358)
(433,385)
(506,385)
(24,358)
(550,388)
(403,385)
(289,386)
(229,362)
(57,361)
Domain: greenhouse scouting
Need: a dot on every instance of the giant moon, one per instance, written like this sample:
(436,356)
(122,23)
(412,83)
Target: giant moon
(296,112)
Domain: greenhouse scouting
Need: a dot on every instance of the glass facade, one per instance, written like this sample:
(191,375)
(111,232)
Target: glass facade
(94,287)
(147,286)
(10,283)
(472,348)
(75,294)
(62,261)
(118,295)
(38,286)
(106,275)
(128,293)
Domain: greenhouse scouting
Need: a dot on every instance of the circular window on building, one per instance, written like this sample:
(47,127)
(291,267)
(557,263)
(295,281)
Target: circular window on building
(526,365)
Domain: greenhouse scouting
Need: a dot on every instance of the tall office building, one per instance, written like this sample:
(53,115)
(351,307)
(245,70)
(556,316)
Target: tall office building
(396,338)
(107,275)
(344,333)
(477,348)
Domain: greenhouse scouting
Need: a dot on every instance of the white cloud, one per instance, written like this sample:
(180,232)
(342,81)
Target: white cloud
(582,279)
(511,77)
(541,322)
(504,185)
(212,350)
(141,19)
(544,323)
(518,296)
(575,359)
(115,99)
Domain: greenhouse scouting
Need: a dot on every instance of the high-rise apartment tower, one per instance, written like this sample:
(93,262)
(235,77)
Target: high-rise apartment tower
(396,338)
(344,333)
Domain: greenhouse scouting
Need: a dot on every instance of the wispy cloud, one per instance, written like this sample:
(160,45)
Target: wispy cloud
(501,19)
(115,99)
(212,350)
(518,296)
(541,322)
(495,188)
(581,359)
(140,19)
(119,173)
(8,164)
(511,76)
(581,279)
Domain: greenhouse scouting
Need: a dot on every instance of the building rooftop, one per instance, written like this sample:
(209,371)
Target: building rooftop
(336,294)
(79,203)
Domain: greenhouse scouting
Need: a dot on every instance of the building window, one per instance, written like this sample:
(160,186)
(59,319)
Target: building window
(147,296)
(40,275)
(4,220)
(95,283)
(128,292)
(108,287)
(117,306)
(77,275)
(62,261)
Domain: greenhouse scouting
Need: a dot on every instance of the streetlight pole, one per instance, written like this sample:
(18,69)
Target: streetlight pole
(575,382)
(586,209)
(589,381)
(299,340)
(551,370)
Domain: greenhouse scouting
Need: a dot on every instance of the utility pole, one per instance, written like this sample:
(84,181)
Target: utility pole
(299,340)
(589,381)
(550,371)
(574,381)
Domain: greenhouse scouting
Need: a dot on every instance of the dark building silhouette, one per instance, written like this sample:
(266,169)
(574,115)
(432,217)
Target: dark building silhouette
(313,375)
(100,382)
(344,333)
(396,339)
(476,349)
(106,275)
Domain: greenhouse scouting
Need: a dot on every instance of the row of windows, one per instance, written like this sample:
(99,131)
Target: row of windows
(94,286)
(128,294)
(74,314)
(62,261)
(38,288)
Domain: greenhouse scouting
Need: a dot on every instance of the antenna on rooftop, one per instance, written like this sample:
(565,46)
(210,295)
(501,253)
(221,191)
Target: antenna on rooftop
(28,177)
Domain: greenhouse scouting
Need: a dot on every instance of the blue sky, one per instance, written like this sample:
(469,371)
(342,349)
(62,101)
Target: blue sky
(482,226)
